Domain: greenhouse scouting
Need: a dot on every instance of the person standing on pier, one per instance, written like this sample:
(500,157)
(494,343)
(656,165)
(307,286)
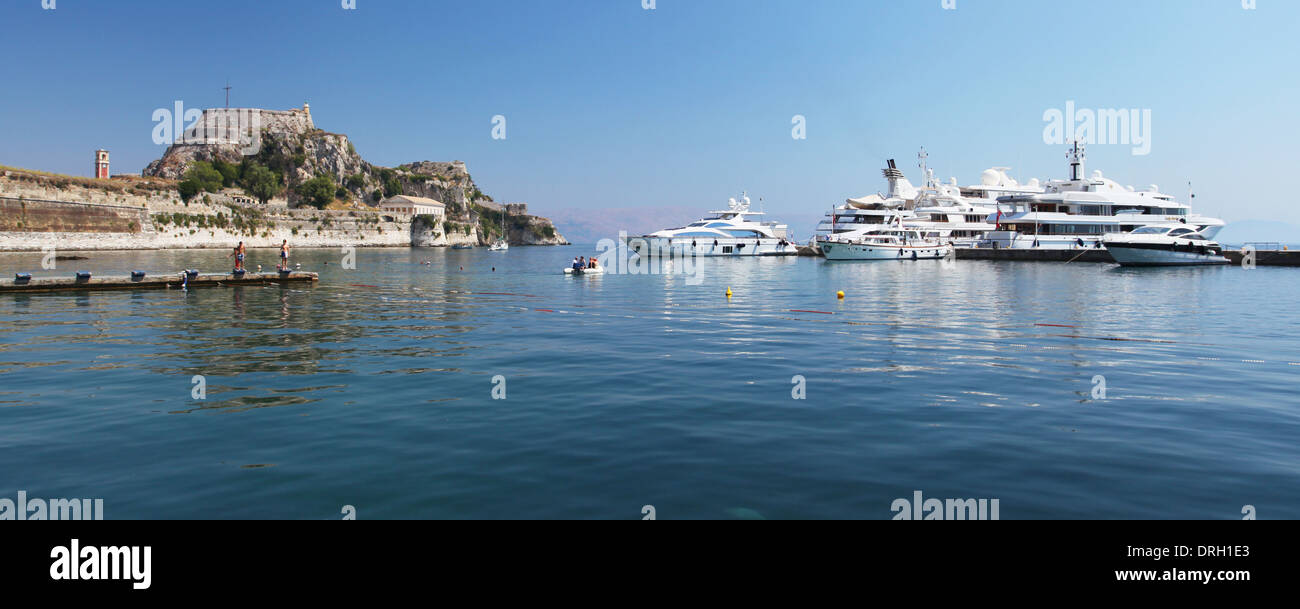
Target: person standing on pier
(238,255)
(284,255)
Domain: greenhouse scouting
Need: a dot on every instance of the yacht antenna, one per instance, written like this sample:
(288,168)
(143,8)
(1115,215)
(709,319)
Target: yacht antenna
(924,175)
(1078,156)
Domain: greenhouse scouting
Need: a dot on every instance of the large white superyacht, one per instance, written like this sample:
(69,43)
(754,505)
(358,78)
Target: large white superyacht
(735,231)
(959,214)
(1079,211)
(945,211)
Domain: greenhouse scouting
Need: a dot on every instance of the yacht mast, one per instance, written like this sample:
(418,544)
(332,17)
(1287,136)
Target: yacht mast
(924,174)
(1078,156)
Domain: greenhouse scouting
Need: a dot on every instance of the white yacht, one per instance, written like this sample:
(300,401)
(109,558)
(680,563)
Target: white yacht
(885,243)
(1077,212)
(954,213)
(871,211)
(959,214)
(735,231)
(1163,246)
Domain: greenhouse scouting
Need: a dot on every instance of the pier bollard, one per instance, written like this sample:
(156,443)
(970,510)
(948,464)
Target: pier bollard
(137,275)
(83,276)
(22,278)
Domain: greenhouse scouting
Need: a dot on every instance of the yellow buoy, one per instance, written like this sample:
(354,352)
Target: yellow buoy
(728,292)
(840,294)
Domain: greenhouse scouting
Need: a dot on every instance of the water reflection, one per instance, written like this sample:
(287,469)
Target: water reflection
(647,378)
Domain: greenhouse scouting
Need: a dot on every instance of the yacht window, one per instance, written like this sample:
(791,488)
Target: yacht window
(697,233)
(1151,230)
(1179,232)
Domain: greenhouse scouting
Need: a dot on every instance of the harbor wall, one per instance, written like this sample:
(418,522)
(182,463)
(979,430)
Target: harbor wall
(1262,257)
(1035,255)
(83,214)
(19,215)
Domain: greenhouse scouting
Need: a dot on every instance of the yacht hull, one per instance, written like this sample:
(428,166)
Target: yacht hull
(1144,254)
(725,248)
(854,251)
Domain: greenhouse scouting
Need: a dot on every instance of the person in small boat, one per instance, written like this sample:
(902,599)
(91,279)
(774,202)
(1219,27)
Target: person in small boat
(591,262)
(577,264)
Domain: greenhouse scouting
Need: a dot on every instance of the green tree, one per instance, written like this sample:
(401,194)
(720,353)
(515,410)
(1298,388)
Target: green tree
(229,172)
(318,191)
(204,176)
(262,183)
(188,189)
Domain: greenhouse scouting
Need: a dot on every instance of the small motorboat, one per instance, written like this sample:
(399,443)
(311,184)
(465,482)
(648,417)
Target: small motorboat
(587,271)
(1163,246)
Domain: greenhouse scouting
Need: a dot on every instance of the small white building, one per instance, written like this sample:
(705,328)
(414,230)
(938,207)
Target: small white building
(404,205)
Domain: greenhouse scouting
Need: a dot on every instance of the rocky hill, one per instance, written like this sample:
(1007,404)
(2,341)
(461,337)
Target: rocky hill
(295,150)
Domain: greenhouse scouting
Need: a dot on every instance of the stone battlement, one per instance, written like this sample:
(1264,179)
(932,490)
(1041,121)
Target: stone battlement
(241,126)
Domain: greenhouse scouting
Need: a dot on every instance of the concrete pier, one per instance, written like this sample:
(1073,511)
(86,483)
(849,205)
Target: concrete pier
(1262,257)
(1266,257)
(1035,255)
(12,284)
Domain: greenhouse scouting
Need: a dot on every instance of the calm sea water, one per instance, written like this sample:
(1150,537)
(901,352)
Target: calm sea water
(374,389)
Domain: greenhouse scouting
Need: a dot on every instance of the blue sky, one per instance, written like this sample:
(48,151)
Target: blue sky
(609,105)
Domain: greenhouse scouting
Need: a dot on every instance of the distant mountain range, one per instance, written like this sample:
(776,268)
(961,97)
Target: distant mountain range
(1259,231)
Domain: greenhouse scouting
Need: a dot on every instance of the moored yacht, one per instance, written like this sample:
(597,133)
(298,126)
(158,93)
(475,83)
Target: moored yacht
(1079,211)
(959,214)
(735,231)
(884,243)
(1163,246)
(871,211)
(953,213)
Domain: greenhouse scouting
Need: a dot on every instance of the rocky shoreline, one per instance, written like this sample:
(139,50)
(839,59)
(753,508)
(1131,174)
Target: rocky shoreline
(157,211)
